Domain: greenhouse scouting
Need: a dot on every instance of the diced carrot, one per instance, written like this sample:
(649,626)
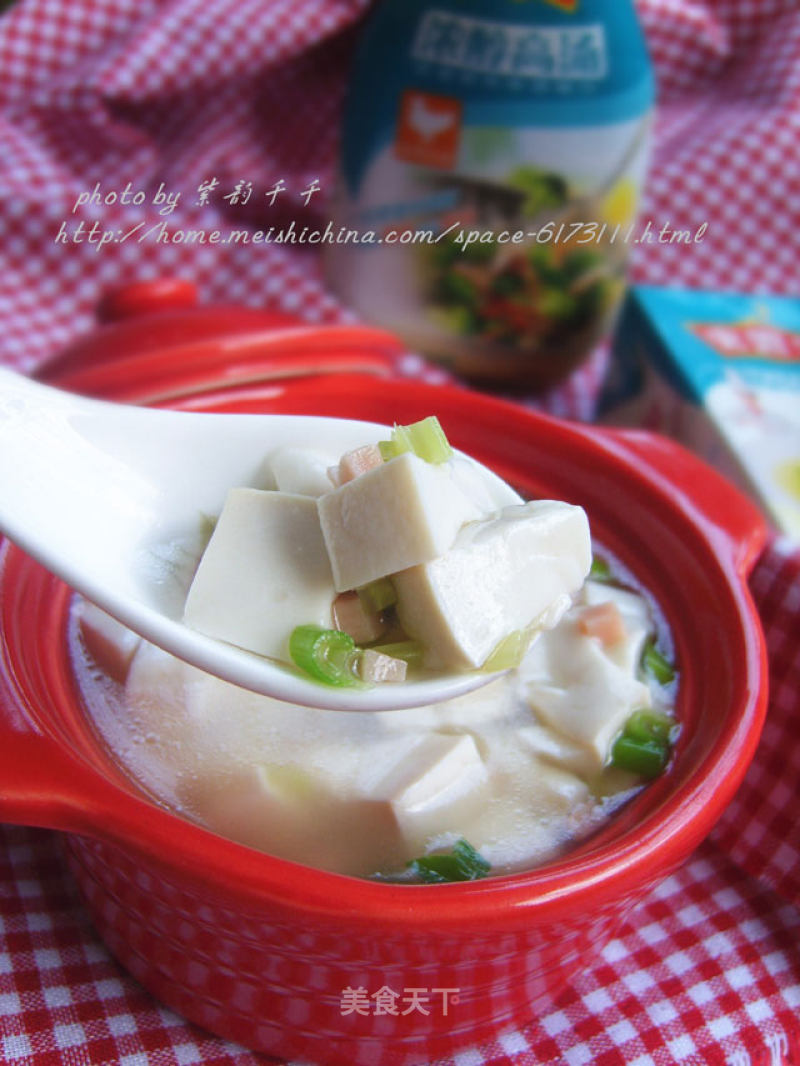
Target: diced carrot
(358,461)
(350,616)
(604,621)
(376,667)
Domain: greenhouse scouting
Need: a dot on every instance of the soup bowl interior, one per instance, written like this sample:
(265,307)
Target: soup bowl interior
(274,954)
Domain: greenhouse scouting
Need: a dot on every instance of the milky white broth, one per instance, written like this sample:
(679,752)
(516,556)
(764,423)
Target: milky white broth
(322,787)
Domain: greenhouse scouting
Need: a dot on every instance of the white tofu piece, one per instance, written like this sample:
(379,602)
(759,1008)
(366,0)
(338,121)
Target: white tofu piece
(289,811)
(265,571)
(402,513)
(111,644)
(259,805)
(577,689)
(555,749)
(488,492)
(161,747)
(523,827)
(301,471)
(441,782)
(501,575)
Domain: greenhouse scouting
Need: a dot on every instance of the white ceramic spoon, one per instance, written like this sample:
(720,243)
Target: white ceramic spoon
(111,497)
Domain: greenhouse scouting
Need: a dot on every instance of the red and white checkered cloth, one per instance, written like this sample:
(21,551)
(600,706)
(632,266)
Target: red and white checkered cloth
(182,92)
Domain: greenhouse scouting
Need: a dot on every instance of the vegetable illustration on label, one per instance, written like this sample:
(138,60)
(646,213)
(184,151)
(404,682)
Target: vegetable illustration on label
(498,151)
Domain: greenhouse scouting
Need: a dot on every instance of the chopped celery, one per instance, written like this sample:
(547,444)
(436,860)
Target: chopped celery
(378,595)
(410,651)
(327,655)
(510,652)
(645,757)
(464,863)
(426,439)
(656,665)
(389,449)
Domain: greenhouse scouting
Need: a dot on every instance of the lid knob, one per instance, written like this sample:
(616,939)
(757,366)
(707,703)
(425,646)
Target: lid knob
(146,297)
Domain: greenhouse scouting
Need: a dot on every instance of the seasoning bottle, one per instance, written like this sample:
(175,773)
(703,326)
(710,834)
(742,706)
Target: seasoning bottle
(492,157)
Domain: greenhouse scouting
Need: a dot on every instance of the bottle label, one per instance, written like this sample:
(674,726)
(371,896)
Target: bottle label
(499,162)
(508,51)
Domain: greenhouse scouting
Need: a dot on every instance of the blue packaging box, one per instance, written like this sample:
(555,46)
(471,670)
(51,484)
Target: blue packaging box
(720,372)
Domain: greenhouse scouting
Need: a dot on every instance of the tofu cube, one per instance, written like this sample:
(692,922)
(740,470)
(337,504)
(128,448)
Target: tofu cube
(438,784)
(555,750)
(501,575)
(265,571)
(579,690)
(397,515)
(301,471)
(110,644)
(289,811)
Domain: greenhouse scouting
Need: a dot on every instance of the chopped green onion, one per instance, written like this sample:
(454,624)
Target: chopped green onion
(510,652)
(645,757)
(463,864)
(377,595)
(426,439)
(645,724)
(656,665)
(645,743)
(600,570)
(410,651)
(327,655)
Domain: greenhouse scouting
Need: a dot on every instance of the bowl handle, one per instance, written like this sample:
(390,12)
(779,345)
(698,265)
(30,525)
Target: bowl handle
(39,786)
(739,527)
(42,783)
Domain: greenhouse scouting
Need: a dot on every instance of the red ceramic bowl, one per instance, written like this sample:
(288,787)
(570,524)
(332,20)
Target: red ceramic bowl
(263,951)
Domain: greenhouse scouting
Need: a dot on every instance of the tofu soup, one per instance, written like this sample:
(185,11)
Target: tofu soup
(378,565)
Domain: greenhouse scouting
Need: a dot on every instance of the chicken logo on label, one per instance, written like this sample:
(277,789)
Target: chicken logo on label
(428,129)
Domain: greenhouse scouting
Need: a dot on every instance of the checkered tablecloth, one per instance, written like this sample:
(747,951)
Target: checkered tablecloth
(181,93)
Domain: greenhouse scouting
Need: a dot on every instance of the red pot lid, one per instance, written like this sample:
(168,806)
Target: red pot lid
(155,342)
